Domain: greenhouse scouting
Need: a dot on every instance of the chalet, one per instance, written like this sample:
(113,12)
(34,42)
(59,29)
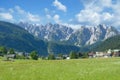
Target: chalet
(66,56)
(109,51)
(114,52)
(58,58)
(10,56)
(92,55)
(99,54)
(106,55)
(22,54)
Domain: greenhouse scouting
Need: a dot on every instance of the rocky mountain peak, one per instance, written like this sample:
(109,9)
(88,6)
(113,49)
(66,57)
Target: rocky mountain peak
(64,34)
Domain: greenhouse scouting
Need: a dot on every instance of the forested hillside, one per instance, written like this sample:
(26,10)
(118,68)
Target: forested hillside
(13,36)
(110,43)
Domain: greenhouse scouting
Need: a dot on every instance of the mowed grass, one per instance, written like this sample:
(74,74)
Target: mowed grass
(81,69)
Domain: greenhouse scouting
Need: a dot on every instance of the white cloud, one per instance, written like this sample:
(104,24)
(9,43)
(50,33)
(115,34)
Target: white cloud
(33,18)
(105,3)
(26,16)
(74,26)
(88,16)
(107,16)
(99,12)
(60,6)
(19,10)
(6,16)
(18,14)
(46,10)
(56,18)
(2,9)
(70,20)
(11,10)
(48,16)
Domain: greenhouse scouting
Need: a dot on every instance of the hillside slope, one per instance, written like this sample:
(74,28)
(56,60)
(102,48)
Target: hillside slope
(110,43)
(61,48)
(13,36)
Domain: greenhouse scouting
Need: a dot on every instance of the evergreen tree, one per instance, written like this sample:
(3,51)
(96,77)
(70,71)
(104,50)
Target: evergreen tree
(11,51)
(60,55)
(73,55)
(80,54)
(85,55)
(34,55)
(51,57)
(3,50)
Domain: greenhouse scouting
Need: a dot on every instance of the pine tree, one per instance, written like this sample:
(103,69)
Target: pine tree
(34,55)
(3,50)
(51,57)
(11,51)
(73,55)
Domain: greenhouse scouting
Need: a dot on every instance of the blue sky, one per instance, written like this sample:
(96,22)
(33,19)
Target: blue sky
(68,12)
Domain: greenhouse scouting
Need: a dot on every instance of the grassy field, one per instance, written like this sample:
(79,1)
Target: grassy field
(81,69)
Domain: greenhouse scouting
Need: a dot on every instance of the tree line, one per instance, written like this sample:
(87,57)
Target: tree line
(35,55)
(4,51)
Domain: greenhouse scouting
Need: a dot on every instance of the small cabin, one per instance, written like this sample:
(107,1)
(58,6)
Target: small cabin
(10,56)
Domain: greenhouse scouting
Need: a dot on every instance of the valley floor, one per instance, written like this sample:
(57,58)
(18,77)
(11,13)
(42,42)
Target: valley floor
(81,69)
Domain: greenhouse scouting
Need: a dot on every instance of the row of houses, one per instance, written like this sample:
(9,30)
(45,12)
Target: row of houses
(13,56)
(108,53)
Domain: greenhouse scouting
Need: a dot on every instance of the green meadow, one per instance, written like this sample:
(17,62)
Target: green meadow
(80,69)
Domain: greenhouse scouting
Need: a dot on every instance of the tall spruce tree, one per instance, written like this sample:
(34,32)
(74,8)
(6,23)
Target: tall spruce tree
(73,55)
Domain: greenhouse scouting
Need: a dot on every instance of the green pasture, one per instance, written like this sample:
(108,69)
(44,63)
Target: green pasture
(80,69)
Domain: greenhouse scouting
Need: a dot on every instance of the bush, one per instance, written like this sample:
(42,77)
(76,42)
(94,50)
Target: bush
(20,56)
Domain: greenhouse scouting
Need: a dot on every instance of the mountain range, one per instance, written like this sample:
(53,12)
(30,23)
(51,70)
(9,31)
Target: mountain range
(57,38)
(58,33)
(13,36)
